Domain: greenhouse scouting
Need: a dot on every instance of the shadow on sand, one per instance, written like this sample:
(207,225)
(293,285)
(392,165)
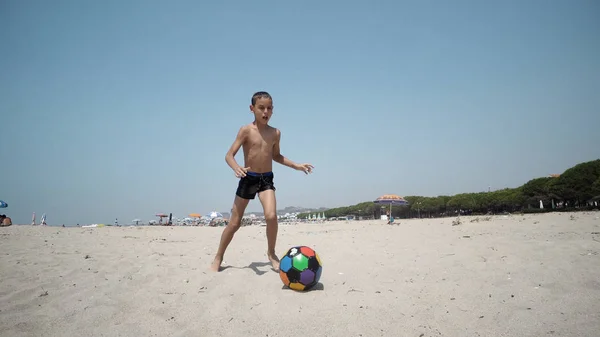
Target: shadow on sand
(254,266)
(318,287)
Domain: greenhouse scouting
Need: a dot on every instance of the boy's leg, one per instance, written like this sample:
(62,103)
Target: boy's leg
(267,199)
(239,206)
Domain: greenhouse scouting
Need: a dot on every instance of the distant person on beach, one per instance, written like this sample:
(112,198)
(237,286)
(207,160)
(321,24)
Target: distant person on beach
(5,221)
(260,143)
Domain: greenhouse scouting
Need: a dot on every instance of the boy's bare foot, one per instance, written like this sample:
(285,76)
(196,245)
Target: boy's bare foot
(274,260)
(216,264)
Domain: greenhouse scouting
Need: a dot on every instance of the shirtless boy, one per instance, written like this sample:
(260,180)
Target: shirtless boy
(260,143)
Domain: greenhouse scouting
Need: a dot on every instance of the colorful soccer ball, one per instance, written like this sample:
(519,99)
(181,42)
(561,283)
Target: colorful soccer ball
(300,268)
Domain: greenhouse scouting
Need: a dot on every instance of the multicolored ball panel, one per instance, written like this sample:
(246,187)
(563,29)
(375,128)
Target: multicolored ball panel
(313,263)
(307,276)
(306,251)
(300,262)
(293,275)
(284,278)
(297,286)
(285,264)
(318,274)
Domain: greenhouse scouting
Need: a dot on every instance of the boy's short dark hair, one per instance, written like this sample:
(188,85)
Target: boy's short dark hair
(260,94)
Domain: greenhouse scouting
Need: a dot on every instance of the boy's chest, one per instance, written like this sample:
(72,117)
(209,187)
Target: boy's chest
(256,140)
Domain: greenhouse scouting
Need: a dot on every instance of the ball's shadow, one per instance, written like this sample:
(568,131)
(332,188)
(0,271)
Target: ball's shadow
(318,287)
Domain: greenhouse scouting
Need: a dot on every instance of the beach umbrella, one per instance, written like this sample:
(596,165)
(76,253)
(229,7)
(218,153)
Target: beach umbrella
(3,204)
(161,216)
(195,215)
(392,200)
(137,221)
(214,214)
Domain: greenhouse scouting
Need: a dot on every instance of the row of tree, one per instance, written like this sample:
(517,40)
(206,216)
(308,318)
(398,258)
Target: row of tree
(577,188)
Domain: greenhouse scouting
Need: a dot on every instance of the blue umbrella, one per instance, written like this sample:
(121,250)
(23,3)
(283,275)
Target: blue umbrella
(3,204)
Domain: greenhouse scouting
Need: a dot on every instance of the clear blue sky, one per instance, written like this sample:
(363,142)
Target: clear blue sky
(122,109)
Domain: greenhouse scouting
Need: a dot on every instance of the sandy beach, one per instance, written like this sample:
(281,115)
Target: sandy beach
(518,275)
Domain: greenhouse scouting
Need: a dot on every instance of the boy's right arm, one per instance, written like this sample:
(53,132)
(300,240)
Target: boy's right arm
(235,147)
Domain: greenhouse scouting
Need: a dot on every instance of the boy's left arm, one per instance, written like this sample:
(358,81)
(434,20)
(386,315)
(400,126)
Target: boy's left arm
(279,158)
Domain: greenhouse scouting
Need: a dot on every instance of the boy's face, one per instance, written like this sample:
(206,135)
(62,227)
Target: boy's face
(263,109)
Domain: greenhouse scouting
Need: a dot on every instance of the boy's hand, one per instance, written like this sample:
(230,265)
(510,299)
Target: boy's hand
(306,168)
(240,172)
